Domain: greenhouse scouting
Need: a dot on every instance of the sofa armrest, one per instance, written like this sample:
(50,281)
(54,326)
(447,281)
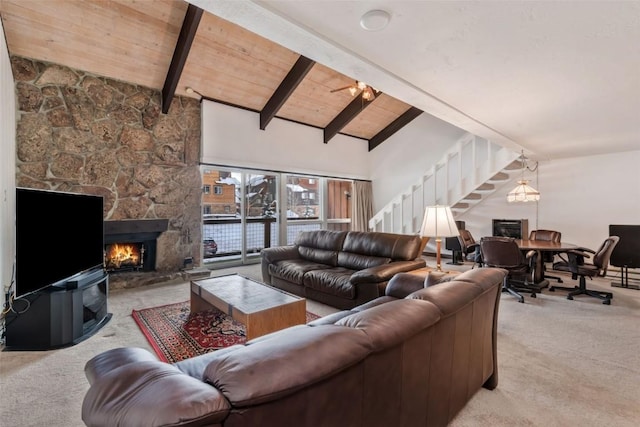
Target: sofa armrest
(402,284)
(151,393)
(384,272)
(278,253)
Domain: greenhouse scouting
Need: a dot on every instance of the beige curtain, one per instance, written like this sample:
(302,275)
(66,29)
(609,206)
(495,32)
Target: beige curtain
(362,200)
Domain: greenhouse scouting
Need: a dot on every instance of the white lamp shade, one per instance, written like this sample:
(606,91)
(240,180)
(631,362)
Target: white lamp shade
(438,222)
(523,193)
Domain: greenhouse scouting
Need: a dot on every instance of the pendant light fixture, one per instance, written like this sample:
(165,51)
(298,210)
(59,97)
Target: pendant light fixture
(523,191)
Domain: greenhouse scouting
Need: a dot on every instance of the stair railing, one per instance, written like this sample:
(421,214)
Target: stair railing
(471,162)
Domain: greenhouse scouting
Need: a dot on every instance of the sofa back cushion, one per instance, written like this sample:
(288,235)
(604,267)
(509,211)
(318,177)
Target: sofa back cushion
(451,296)
(278,364)
(320,246)
(401,247)
(381,322)
(360,262)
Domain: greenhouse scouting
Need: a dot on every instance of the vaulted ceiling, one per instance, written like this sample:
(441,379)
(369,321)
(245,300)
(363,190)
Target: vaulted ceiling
(557,79)
(172,45)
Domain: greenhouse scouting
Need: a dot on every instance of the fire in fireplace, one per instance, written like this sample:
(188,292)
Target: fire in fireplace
(131,245)
(124,256)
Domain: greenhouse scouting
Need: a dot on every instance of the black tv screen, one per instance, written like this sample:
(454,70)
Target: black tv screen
(58,236)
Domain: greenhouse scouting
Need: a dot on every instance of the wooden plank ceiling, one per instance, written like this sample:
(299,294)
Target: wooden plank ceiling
(170,45)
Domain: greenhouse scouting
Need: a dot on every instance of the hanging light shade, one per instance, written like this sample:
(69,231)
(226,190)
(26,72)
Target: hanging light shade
(523,193)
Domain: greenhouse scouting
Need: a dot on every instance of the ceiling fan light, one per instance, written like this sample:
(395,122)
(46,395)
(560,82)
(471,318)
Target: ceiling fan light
(353,90)
(361,85)
(367,94)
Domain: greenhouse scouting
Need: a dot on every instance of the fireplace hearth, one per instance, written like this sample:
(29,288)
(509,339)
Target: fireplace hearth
(130,245)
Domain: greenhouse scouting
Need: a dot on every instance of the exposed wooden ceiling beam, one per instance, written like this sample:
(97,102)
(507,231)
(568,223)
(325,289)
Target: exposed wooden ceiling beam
(283,92)
(345,116)
(180,54)
(394,127)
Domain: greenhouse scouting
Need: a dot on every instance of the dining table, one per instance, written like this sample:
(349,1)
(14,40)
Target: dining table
(541,246)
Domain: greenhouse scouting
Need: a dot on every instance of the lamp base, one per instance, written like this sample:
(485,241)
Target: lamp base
(438,257)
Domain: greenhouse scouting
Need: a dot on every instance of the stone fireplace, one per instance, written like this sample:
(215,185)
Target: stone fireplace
(82,133)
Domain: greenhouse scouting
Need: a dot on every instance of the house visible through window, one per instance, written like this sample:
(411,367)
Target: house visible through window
(245,210)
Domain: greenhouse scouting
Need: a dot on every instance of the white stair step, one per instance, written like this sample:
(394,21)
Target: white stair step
(500,176)
(473,196)
(486,187)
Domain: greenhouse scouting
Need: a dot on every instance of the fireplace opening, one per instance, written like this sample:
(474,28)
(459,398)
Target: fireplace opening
(130,245)
(124,256)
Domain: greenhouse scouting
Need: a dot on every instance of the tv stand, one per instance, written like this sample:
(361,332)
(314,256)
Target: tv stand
(61,315)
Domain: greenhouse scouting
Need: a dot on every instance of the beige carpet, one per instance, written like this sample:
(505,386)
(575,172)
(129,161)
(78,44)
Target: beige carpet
(561,362)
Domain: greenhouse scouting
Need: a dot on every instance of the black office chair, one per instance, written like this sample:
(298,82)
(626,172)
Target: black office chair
(581,270)
(547,256)
(464,247)
(504,252)
(470,248)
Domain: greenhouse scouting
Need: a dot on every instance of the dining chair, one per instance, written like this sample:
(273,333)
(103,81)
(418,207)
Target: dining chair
(470,248)
(547,256)
(504,252)
(464,247)
(580,269)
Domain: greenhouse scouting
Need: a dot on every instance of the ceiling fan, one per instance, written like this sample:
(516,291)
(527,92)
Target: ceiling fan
(368,93)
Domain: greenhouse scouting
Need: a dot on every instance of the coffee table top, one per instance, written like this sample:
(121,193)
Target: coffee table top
(244,294)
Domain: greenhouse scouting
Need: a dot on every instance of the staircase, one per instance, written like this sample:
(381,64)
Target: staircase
(470,171)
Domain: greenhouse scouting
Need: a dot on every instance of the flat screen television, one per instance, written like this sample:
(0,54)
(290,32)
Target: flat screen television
(59,236)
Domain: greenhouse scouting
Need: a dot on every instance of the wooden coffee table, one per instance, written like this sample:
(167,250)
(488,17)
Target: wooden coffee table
(261,308)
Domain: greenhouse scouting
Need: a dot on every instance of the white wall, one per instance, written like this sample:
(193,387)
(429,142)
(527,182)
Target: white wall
(400,161)
(580,197)
(232,136)
(7,168)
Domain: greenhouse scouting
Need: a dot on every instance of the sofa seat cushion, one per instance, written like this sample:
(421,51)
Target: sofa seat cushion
(293,270)
(333,281)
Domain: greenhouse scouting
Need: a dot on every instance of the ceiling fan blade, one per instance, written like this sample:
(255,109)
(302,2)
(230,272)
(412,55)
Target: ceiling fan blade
(342,88)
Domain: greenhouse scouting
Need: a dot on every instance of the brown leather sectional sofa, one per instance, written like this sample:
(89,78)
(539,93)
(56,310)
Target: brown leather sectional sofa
(413,357)
(339,268)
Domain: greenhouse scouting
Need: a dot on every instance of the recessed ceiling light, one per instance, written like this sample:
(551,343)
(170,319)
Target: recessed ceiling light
(375,20)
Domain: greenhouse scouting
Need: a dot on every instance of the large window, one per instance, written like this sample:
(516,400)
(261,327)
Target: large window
(315,203)
(242,214)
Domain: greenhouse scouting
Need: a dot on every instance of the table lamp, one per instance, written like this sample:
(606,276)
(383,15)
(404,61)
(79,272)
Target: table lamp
(438,222)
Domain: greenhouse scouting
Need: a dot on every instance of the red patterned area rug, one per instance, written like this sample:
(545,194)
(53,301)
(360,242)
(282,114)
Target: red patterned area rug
(177,334)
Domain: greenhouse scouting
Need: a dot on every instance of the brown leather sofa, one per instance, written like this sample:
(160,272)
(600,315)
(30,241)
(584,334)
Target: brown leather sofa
(401,360)
(339,268)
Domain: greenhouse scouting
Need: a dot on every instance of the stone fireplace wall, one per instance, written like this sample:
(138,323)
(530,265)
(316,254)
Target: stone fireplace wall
(83,133)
